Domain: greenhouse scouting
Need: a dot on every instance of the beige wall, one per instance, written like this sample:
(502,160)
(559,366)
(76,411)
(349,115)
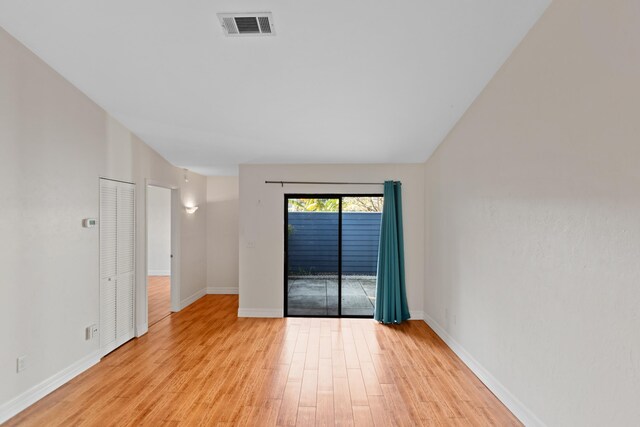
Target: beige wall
(222,234)
(533,220)
(262,225)
(55,144)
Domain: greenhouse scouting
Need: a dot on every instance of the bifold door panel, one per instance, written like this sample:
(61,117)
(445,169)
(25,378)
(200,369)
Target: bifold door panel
(117,263)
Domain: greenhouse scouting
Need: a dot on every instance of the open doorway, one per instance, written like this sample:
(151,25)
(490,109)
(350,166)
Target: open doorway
(159,254)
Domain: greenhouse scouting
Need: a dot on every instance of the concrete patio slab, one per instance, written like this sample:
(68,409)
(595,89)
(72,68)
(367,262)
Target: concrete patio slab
(318,295)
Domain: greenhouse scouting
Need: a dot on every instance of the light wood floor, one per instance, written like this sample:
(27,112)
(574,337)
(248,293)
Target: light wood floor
(159,295)
(205,366)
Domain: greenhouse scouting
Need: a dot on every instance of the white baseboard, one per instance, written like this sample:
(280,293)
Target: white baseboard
(518,409)
(193,298)
(142,329)
(159,273)
(222,291)
(37,392)
(260,312)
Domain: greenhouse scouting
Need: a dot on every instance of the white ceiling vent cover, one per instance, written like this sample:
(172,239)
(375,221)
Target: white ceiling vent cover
(247,24)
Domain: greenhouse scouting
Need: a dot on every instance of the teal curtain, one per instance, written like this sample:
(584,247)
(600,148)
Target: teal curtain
(391,294)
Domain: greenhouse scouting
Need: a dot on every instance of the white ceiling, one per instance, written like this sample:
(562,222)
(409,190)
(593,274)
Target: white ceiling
(355,81)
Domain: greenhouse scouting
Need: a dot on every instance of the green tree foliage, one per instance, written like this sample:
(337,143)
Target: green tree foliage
(313,205)
(362,204)
(349,204)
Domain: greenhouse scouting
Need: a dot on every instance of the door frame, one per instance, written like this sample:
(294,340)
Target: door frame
(338,196)
(176,206)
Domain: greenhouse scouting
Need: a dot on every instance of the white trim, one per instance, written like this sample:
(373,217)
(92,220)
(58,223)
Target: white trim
(260,312)
(518,409)
(193,298)
(159,273)
(37,392)
(176,249)
(142,329)
(222,291)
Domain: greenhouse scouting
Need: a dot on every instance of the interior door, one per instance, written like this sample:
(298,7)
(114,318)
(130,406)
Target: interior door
(126,265)
(108,263)
(117,263)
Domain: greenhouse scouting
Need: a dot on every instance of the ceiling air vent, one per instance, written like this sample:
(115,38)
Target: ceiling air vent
(247,24)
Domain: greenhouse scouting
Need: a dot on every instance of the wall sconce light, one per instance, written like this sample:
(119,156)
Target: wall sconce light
(190,209)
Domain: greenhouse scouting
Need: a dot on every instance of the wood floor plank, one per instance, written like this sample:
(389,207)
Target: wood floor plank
(206,366)
(309,388)
(342,402)
(379,411)
(289,407)
(357,389)
(325,375)
(268,414)
(362,349)
(277,380)
(296,370)
(313,349)
(159,298)
(338,364)
(397,408)
(306,417)
(371,382)
(362,416)
(349,348)
(325,345)
(325,413)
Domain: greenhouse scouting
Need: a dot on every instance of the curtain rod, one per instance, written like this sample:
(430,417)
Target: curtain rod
(282,183)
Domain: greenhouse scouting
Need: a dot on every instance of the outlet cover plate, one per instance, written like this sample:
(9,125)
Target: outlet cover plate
(21,363)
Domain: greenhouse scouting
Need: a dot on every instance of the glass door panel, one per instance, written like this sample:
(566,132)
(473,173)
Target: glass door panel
(361,217)
(312,256)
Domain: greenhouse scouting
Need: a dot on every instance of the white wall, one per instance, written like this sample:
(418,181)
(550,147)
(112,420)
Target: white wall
(222,234)
(55,144)
(262,224)
(158,231)
(533,219)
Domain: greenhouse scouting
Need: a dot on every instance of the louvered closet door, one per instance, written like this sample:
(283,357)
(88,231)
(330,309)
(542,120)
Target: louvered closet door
(125,263)
(108,263)
(117,263)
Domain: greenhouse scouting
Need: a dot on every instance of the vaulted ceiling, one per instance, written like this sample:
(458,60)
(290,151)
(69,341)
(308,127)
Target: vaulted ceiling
(356,81)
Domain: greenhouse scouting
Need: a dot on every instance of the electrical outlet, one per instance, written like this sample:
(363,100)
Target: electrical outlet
(21,363)
(90,332)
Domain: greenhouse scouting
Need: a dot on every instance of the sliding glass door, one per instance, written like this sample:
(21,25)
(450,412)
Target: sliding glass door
(331,250)
(313,252)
